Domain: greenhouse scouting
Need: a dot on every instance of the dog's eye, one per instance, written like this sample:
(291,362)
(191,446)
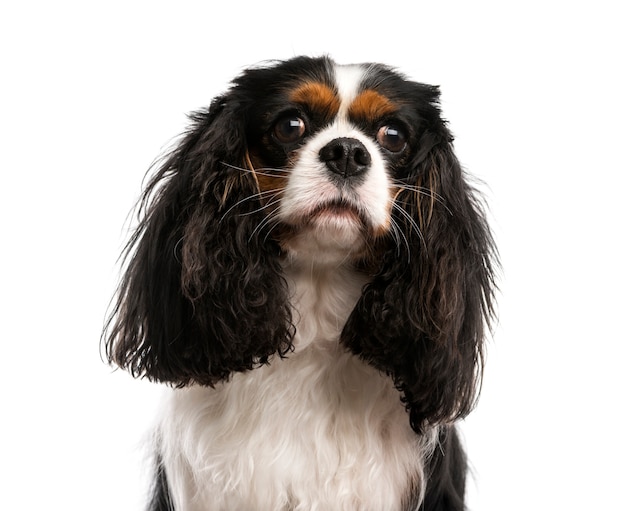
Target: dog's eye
(391,138)
(289,130)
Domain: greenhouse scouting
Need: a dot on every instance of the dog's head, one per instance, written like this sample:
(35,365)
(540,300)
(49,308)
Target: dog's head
(309,162)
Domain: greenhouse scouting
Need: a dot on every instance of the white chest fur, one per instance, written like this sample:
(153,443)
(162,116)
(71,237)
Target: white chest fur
(319,430)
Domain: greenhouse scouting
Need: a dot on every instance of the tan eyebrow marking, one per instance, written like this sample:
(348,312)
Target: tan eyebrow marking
(370,106)
(318,97)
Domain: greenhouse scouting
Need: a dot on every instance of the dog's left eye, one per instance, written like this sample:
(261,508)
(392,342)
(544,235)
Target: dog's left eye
(392,138)
(289,130)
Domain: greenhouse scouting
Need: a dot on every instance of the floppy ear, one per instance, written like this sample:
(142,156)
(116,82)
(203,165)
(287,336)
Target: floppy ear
(203,294)
(422,318)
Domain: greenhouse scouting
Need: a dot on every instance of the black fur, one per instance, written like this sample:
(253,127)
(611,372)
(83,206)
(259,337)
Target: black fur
(160,499)
(446,475)
(203,294)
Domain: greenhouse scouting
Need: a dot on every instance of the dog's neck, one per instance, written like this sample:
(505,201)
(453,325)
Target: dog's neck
(322,296)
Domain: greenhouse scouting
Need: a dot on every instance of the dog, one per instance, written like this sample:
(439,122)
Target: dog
(313,277)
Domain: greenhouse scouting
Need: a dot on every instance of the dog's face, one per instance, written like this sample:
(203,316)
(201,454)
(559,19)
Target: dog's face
(329,146)
(306,161)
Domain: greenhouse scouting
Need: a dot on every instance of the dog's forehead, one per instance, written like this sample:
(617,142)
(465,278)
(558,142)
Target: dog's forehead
(348,92)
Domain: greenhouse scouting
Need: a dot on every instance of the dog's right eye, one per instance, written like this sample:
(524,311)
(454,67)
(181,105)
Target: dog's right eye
(289,130)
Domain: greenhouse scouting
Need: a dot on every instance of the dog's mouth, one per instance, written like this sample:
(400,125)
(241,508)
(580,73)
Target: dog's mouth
(337,221)
(338,213)
(329,232)
(332,231)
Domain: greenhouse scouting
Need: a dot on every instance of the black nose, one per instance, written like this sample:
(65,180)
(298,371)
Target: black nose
(346,157)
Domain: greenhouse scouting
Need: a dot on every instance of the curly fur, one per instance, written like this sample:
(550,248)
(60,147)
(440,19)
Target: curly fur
(219,304)
(212,303)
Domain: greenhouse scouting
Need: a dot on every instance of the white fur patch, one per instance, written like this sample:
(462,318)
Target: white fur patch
(348,80)
(319,430)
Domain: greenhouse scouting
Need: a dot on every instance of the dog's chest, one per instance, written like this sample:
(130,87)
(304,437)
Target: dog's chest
(317,430)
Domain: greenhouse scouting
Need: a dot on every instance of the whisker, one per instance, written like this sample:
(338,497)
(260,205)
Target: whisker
(269,218)
(412,223)
(423,191)
(263,171)
(269,231)
(258,195)
(271,202)
(397,233)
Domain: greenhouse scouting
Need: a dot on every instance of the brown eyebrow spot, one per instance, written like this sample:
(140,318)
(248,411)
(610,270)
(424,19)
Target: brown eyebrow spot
(318,97)
(370,106)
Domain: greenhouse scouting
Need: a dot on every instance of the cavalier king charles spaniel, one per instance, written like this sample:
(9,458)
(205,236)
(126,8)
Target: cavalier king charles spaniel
(313,276)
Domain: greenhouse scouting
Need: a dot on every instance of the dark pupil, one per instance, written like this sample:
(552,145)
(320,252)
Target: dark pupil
(289,130)
(392,138)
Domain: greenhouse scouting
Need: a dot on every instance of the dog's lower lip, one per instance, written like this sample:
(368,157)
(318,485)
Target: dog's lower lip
(336,209)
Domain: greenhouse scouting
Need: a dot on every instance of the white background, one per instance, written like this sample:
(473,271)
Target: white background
(92,92)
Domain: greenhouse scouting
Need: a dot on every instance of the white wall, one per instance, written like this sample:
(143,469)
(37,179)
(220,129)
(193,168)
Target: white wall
(534,91)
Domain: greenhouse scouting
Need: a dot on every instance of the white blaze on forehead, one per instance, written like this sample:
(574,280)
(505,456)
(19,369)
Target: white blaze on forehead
(348,81)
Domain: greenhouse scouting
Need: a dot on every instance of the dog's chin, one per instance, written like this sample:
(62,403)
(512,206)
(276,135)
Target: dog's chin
(331,234)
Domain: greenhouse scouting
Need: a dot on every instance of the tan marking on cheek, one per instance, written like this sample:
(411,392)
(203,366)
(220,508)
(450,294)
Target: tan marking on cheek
(383,230)
(370,106)
(418,201)
(269,183)
(318,97)
(238,180)
(250,166)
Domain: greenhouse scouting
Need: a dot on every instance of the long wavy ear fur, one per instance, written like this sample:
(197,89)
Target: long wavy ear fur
(423,317)
(203,293)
